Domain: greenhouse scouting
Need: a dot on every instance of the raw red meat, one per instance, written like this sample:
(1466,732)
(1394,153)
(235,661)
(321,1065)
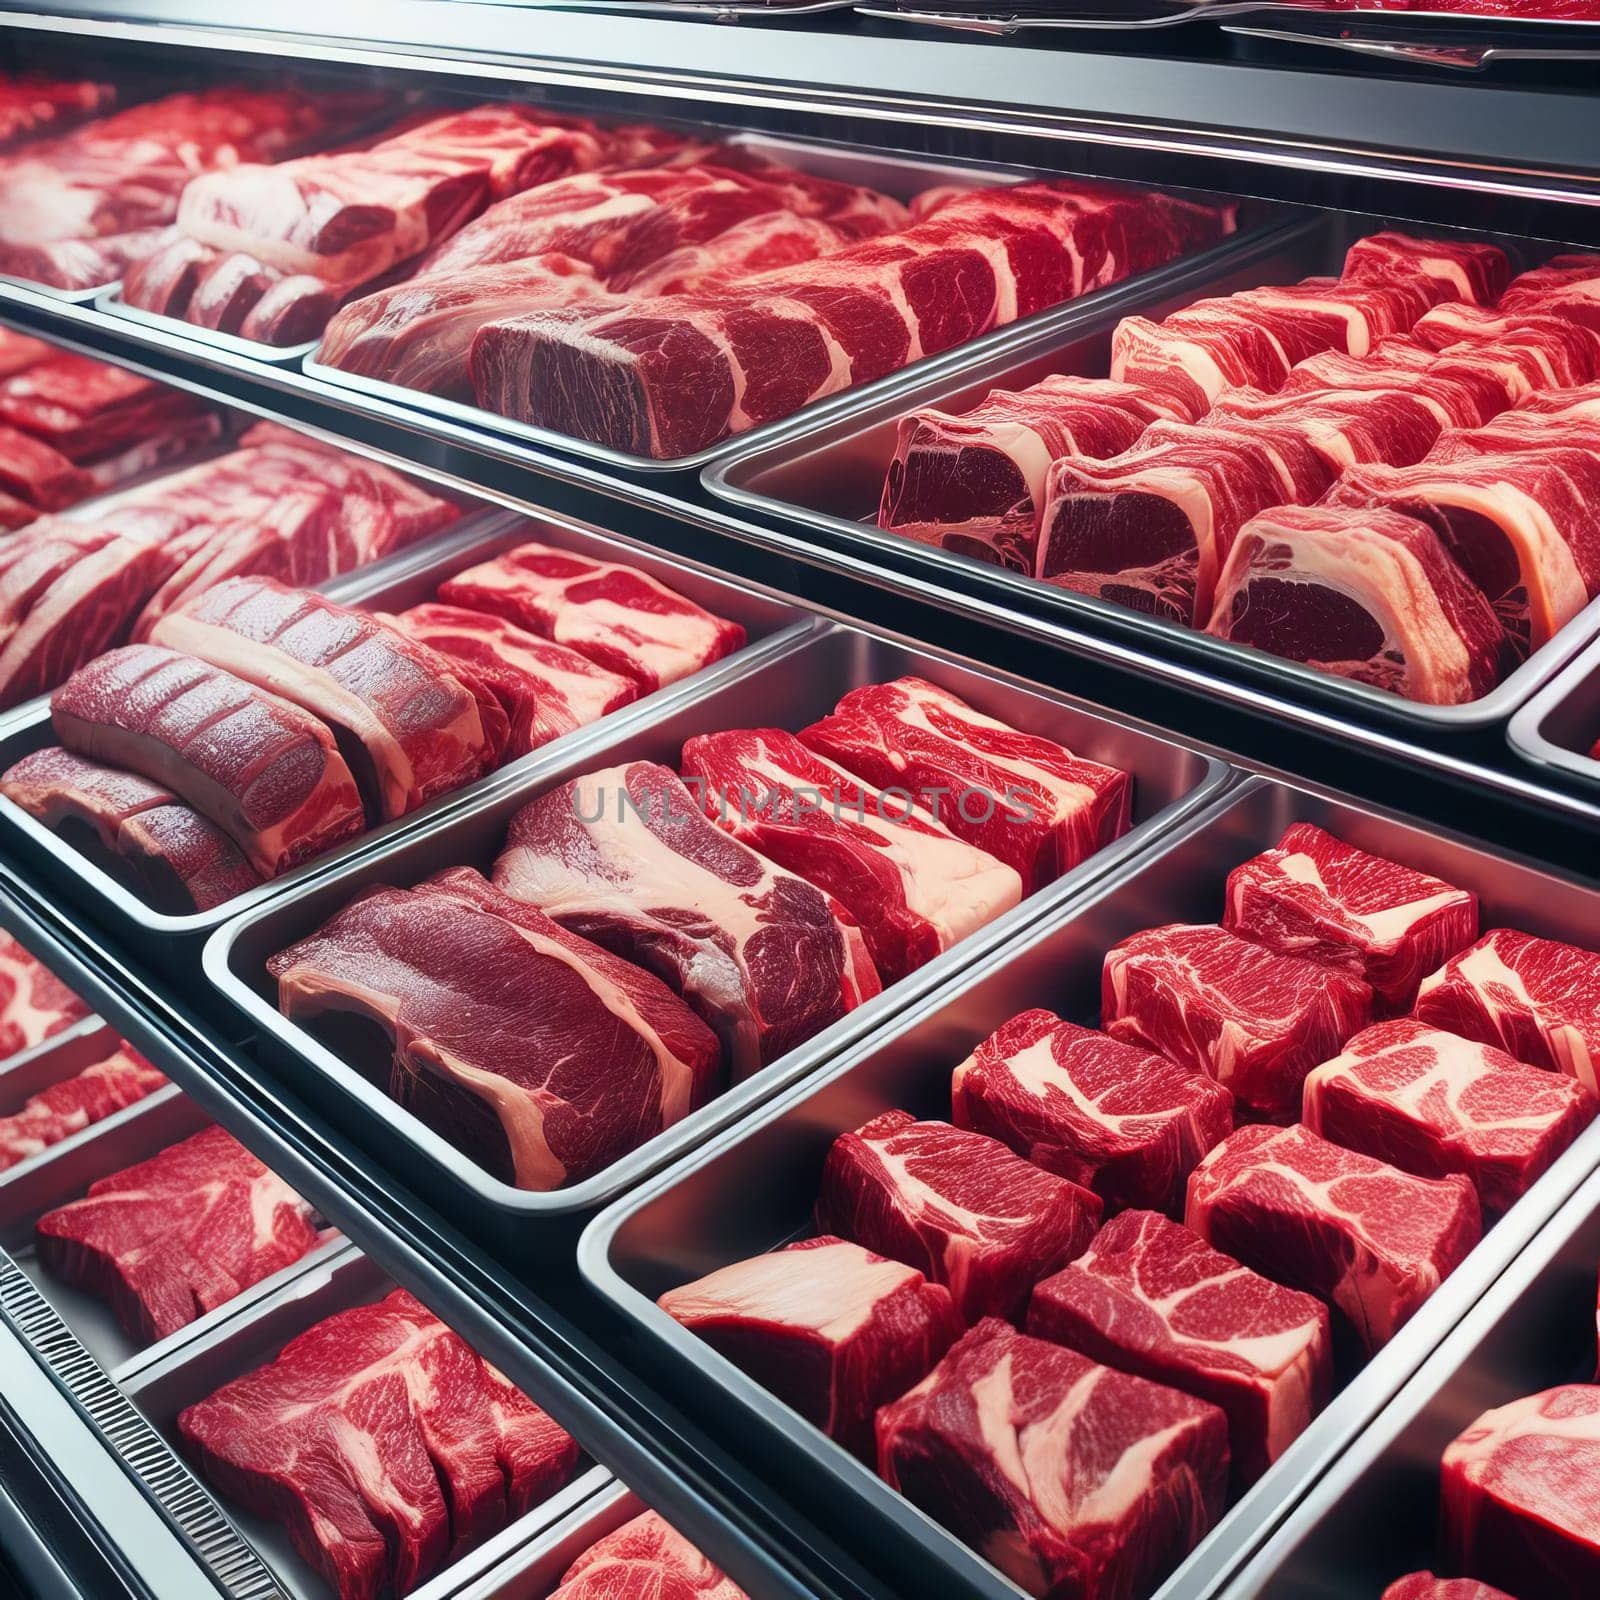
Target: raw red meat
(1458,395)
(1431,1103)
(914,887)
(625,857)
(1537,999)
(38,474)
(30,106)
(1256,1020)
(1372,1241)
(1538,350)
(1367,594)
(1025,799)
(1121,1121)
(178,1235)
(646,1559)
(1313,895)
(62,1109)
(1425,1586)
(265,772)
(1472,270)
(1077,1482)
(18,351)
(1151,1298)
(539,1055)
(958,1206)
(1346,427)
(617,616)
(1518,1494)
(34,1002)
(383,1442)
(831,1329)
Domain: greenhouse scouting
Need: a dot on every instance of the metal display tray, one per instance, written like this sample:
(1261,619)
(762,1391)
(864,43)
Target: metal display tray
(399,581)
(1560,725)
(789,690)
(109,301)
(1375,1516)
(26,1072)
(753,1188)
(828,476)
(897,175)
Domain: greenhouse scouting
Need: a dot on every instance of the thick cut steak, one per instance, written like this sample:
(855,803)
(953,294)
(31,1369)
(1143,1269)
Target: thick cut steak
(264,771)
(1076,1481)
(1371,1240)
(1472,270)
(1457,394)
(625,857)
(1431,1103)
(178,1235)
(1152,1298)
(1256,1020)
(64,1108)
(622,618)
(1114,1118)
(914,887)
(1425,1586)
(541,1056)
(1518,1494)
(1537,999)
(34,1002)
(958,1206)
(646,1559)
(1027,800)
(1313,895)
(383,1442)
(831,1329)
(38,473)
(1346,427)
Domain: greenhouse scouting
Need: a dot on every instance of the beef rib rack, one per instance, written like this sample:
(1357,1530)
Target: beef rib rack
(646,1559)
(63,1109)
(34,1002)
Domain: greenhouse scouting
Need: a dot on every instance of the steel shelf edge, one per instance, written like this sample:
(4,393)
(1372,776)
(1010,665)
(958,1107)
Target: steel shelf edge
(1528,735)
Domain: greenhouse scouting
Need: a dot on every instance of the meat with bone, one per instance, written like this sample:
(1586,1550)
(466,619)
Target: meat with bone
(624,856)
(1316,896)
(645,1559)
(974,483)
(1517,1494)
(914,888)
(830,1328)
(616,615)
(1078,1482)
(1126,1123)
(1256,1020)
(176,1236)
(959,1207)
(34,1003)
(1471,270)
(1152,1298)
(1536,999)
(264,771)
(63,1109)
(408,728)
(181,861)
(545,689)
(31,106)
(1425,1586)
(1371,1240)
(1431,1103)
(537,1054)
(1027,800)
(669,376)
(383,1442)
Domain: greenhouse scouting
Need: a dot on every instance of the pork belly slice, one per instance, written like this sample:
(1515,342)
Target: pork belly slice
(647,1558)
(1078,1482)
(1256,1020)
(914,888)
(1316,896)
(973,483)
(174,1237)
(1025,799)
(264,771)
(1126,1123)
(1371,1240)
(63,1109)
(382,1442)
(545,689)
(1432,1103)
(34,1002)
(1536,999)
(1152,1298)
(538,1055)
(1470,269)
(1426,1586)
(625,856)
(833,1330)
(956,1205)
(1517,1491)
(617,616)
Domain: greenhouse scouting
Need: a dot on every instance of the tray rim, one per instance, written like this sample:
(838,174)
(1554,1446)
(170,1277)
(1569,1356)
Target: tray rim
(1526,735)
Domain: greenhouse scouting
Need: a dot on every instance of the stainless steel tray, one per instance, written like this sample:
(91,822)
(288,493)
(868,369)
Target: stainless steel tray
(1559,726)
(399,581)
(28,1071)
(71,297)
(897,175)
(790,690)
(828,476)
(536,1570)
(753,1187)
(109,300)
